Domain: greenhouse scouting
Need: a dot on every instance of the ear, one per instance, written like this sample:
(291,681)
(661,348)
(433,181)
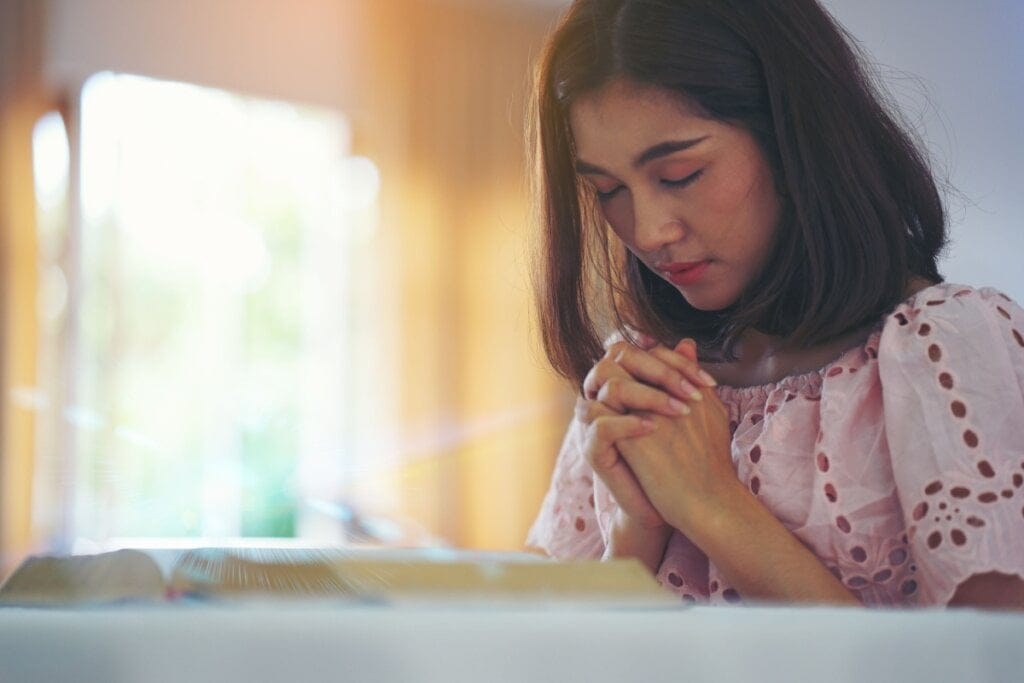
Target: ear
(688,348)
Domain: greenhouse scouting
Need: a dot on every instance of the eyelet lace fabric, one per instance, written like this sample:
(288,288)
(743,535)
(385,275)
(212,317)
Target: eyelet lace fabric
(900,464)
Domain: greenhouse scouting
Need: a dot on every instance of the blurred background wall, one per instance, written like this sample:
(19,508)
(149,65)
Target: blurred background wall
(408,399)
(957,71)
(465,417)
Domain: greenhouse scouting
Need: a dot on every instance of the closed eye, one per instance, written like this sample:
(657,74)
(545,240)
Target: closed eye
(605,196)
(682,182)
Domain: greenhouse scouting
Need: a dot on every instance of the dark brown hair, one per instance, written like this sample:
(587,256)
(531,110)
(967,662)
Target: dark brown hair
(861,213)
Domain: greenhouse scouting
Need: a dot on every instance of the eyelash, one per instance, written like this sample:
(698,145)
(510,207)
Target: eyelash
(677,184)
(605,196)
(683,182)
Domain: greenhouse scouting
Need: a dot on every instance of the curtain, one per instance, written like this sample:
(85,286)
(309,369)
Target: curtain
(444,118)
(22,100)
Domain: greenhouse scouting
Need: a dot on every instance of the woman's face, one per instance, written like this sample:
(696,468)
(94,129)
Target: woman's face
(693,198)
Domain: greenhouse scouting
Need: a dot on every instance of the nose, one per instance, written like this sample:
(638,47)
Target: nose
(655,226)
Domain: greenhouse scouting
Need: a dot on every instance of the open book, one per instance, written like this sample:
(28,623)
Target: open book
(127,575)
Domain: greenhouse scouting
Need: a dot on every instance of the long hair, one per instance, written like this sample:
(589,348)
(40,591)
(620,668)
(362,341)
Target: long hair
(861,213)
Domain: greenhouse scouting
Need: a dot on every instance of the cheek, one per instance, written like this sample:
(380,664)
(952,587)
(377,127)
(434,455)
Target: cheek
(619,214)
(735,188)
(745,203)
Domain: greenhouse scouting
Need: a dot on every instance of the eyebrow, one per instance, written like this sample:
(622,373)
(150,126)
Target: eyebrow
(662,149)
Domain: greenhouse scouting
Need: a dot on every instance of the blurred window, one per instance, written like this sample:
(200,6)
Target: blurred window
(198,330)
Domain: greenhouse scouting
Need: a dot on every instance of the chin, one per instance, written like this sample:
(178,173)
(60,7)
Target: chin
(708,301)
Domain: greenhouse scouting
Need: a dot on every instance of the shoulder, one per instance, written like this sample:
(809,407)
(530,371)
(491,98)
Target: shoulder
(953,312)
(951,333)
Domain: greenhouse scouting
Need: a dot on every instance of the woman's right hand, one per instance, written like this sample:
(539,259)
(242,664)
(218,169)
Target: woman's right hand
(624,385)
(648,377)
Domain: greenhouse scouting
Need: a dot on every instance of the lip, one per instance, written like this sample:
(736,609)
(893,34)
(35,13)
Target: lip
(684,273)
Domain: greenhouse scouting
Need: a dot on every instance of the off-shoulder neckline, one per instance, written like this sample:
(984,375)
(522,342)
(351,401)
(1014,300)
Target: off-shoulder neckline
(808,378)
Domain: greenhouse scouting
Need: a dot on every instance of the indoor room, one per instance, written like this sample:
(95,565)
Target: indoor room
(395,283)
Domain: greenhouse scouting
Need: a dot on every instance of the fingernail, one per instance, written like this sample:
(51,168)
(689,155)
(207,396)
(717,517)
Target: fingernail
(679,406)
(708,379)
(691,390)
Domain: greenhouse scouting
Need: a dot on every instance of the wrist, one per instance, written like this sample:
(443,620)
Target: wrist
(712,514)
(628,537)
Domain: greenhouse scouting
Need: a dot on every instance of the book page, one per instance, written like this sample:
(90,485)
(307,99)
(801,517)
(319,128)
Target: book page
(108,577)
(406,575)
(213,571)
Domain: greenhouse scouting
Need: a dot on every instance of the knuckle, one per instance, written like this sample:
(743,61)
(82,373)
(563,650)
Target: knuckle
(611,390)
(598,375)
(680,362)
(651,399)
(621,351)
(587,411)
(664,354)
(618,347)
(648,415)
(615,385)
(602,367)
(604,429)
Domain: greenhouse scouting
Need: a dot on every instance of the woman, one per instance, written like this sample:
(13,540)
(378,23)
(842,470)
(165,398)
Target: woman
(793,405)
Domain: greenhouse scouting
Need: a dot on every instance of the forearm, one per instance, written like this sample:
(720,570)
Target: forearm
(627,539)
(759,557)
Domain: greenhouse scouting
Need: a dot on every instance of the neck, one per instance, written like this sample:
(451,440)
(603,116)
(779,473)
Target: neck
(764,359)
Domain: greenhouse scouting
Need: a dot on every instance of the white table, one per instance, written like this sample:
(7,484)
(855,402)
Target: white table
(451,643)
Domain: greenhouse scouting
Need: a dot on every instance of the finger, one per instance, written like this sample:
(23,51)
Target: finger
(630,496)
(688,348)
(603,456)
(686,366)
(604,431)
(589,410)
(660,367)
(629,396)
(603,370)
(647,367)
(689,373)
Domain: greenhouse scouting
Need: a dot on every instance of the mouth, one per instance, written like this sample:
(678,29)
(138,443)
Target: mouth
(684,273)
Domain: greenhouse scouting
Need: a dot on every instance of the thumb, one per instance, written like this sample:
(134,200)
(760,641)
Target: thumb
(687,347)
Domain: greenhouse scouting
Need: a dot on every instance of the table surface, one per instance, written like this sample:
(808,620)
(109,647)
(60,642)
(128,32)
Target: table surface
(439,641)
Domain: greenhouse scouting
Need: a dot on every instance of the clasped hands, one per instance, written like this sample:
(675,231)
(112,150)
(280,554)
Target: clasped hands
(657,436)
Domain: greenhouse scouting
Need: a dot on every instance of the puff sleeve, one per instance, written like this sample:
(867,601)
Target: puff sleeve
(951,364)
(567,526)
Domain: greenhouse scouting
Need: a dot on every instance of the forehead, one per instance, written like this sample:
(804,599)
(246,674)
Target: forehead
(624,116)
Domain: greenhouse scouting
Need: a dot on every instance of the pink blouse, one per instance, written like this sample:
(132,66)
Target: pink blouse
(900,464)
